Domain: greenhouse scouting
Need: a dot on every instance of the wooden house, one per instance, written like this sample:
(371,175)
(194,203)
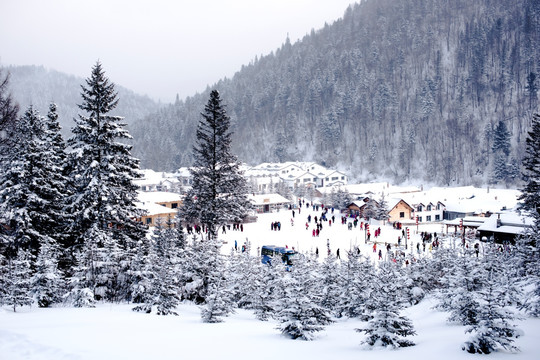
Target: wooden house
(399,210)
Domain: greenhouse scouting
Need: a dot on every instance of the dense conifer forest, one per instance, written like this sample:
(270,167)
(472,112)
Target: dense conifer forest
(437,91)
(420,86)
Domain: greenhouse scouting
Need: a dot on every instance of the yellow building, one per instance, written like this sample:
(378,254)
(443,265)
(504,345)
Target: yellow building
(158,206)
(399,210)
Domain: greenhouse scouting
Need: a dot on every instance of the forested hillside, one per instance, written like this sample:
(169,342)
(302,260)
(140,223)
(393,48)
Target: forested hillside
(37,86)
(438,90)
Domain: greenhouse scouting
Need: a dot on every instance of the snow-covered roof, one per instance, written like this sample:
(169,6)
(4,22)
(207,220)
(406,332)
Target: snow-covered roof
(468,221)
(158,196)
(151,177)
(392,202)
(466,199)
(155,209)
(183,172)
(259,173)
(507,222)
(268,199)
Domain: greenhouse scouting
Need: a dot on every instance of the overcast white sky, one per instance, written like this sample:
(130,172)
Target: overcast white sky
(156,47)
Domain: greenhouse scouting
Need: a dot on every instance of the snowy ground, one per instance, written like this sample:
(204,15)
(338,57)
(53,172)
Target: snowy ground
(113,331)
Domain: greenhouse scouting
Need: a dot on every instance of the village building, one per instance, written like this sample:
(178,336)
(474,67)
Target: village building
(399,210)
(158,206)
(157,181)
(504,227)
(357,207)
(429,211)
(164,198)
(307,174)
(184,176)
(265,203)
(262,181)
(156,214)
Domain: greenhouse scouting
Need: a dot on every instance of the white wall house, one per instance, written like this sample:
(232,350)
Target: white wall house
(306,179)
(157,181)
(332,178)
(429,211)
(262,181)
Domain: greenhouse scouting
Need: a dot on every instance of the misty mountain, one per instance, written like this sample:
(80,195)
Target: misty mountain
(409,89)
(38,86)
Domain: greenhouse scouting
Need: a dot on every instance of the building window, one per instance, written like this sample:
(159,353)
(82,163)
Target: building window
(428,218)
(402,215)
(419,208)
(148,221)
(438,206)
(419,219)
(343,178)
(174,206)
(429,208)
(437,217)
(334,178)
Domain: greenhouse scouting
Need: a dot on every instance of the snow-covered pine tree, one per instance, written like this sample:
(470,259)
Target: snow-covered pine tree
(164,286)
(493,330)
(219,191)
(381,212)
(55,172)
(156,288)
(17,280)
(30,196)
(8,116)
(330,283)
(526,261)
(194,278)
(462,292)
(141,273)
(269,290)
(388,328)
(529,245)
(218,298)
(444,263)
(501,139)
(243,274)
(357,276)
(298,311)
(3,277)
(103,201)
(418,280)
(47,285)
(530,194)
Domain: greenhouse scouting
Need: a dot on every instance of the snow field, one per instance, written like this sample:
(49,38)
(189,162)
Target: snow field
(114,331)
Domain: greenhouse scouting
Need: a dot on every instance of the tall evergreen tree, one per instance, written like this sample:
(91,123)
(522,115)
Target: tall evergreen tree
(31,193)
(56,176)
(104,194)
(218,193)
(501,170)
(530,197)
(8,115)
